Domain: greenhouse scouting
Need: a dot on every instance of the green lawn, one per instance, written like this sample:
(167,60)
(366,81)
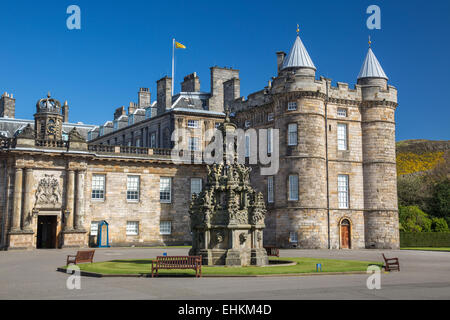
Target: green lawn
(428,248)
(303,265)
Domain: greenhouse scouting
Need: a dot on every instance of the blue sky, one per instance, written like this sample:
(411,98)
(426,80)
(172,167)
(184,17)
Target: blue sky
(124,45)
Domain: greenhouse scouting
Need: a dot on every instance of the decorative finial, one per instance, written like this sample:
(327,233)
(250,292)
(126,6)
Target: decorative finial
(370,43)
(48,95)
(298,29)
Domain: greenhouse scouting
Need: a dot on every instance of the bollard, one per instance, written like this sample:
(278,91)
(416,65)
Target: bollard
(165,254)
(318,266)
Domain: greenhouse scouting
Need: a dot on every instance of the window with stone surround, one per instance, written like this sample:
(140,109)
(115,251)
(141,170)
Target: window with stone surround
(153,140)
(247,146)
(94,228)
(98,187)
(196,186)
(269,140)
(293,188)
(165,190)
(165,227)
(247,123)
(292,106)
(343,195)
(132,228)
(270,117)
(193,124)
(292,134)
(193,144)
(293,237)
(342,112)
(133,188)
(270,189)
(342,136)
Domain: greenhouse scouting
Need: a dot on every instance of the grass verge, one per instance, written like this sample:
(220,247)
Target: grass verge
(303,265)
(447,249)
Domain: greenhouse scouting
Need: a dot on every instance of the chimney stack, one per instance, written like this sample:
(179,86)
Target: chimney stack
(280,59)
(191,83)
(164,94)
(7,106)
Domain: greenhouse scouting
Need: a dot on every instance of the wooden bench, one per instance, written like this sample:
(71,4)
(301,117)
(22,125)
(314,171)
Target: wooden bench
(272,251)
(391,264)
(81,256)
(178,262)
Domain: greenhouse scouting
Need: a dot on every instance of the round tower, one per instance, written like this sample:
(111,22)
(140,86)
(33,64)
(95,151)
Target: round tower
(379,102)
(301,181)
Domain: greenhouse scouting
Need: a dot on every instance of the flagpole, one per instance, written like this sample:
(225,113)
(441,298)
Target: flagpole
(173,63)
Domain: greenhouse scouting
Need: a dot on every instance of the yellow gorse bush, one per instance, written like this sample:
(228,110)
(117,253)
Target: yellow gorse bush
(408,162)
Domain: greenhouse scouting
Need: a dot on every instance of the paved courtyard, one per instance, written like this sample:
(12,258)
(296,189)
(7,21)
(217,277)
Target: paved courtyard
(32,275)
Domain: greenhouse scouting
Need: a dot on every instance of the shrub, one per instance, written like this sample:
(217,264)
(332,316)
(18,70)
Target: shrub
(412,219)
(424,239)
(439,225)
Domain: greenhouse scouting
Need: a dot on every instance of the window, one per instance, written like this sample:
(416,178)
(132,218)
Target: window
(247,146)
(196,186)
(133,188)
(270,189)
(342,136)
(269,140)
(292,106)
(153,140)
(98,187)
(116,125)
(138,142)
(270,117)
(217,125)
(293,188)
(248,123)
(101,131)
(193,144)
(342,112)
(148,113)
(94,228)
(89,136)
(165,189)
(293,237)
(132,228)
(292,134)
(343,191)
(193,124)
(130,119)
(165,227)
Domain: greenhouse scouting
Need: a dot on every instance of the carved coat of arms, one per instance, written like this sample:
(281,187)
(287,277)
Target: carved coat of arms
(48,191)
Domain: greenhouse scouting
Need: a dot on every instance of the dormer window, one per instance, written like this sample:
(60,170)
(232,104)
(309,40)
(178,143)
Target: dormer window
(270,117)
(248,123)
(131,119)
(292,106)
(116,125)
(148,113)
(101,131)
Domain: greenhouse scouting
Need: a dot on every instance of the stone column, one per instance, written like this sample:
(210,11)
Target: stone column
(79,200)
(17,209)
(27,199)
(70,199)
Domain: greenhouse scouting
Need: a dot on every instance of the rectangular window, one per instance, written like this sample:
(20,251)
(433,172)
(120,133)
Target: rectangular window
(342,112)
(102,131)
(153,140)
(165,189)
(270,117)
(196,186)
(148,113)
(217,125)
(193,124)
(132,228)
(133,188)
(165,227)
(248,123)
(293,188)
(131,119)
(116,125)
(343,191)
(269,140)
(293,237)
(98,187)
(94,228)
(193,144)
(270,189)
(292,106)
(292,134)
(342,136)
(247,146)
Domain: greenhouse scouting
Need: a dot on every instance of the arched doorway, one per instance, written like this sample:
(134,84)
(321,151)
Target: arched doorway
(345,234)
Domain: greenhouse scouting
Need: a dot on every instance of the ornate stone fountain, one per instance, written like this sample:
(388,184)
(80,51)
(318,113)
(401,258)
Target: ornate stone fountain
(227,217)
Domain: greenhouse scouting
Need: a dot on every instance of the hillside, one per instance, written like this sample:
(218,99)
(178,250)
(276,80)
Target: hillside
(417,156)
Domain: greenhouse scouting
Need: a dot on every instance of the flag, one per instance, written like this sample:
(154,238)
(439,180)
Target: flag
(179,45)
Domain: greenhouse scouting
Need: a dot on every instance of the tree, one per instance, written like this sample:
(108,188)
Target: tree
(412,219)
(439,225)
(440,202)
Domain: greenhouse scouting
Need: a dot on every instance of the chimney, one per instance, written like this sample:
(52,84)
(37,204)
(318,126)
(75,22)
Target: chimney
(231,91)
(218,77)
(144,98)
(280,59)
(119,112)
(131,108)
(7,106)
(164,94)
(65,112)
(191,83)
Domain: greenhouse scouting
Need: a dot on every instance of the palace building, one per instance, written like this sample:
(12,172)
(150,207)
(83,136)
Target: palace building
(336,186)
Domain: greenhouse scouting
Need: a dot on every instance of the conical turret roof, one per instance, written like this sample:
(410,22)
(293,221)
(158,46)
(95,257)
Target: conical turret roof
(371,68)
(298,57)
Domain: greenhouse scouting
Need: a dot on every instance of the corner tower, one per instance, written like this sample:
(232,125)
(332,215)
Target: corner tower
(48,119)
(379,102)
